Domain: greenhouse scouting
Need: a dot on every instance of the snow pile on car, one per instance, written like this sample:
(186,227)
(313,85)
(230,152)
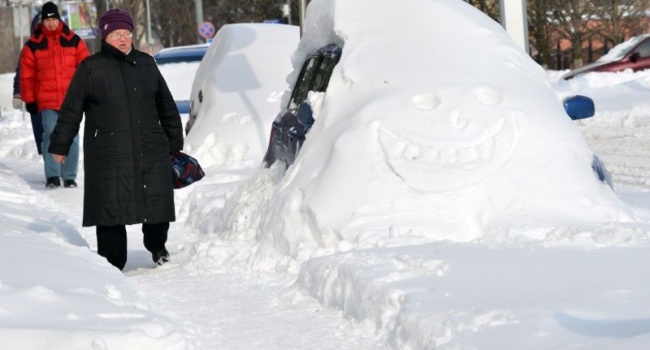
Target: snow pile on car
(425,135)
(240,94)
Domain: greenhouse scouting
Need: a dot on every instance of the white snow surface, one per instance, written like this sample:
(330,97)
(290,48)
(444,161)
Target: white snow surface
(398,227)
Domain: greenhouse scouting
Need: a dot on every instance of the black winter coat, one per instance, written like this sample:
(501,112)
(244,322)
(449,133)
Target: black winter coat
(132,124)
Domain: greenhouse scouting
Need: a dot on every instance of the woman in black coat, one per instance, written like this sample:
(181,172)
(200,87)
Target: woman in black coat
(132,125)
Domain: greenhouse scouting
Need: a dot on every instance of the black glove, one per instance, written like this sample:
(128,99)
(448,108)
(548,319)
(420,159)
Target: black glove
(32,108)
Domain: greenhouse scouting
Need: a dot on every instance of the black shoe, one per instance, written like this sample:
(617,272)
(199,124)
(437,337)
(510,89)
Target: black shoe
(52,182)
(160,257)
(69,183)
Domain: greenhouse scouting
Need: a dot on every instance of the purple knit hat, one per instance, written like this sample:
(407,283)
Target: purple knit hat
(114,19)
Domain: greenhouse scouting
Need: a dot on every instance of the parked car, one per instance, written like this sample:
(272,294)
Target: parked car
(633,54)
(178,54)
(237,89)
(190,54)
(292,124)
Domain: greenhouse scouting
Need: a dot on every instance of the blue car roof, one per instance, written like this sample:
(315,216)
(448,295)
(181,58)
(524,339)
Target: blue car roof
(193,53)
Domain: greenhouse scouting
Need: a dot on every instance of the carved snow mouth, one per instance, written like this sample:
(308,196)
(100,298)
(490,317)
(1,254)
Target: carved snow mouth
(432,165)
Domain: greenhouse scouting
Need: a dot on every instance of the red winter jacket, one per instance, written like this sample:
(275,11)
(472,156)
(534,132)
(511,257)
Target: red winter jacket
(47,63)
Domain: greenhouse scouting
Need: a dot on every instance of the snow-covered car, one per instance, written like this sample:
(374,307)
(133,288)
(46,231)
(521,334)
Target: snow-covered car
(237,90)
(233,64)
(416,138)
(289,129)
(633,54)
(176,64)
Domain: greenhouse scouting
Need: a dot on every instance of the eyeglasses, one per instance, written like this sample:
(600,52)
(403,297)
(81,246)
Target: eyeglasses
(116,35)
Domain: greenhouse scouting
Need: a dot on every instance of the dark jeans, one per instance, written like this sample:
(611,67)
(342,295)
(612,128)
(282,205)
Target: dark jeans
(111,241)
(37,129)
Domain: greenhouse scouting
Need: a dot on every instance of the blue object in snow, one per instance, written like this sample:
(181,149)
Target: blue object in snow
(186,170)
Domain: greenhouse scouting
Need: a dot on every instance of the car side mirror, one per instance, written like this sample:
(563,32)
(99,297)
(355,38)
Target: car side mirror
(579,107)
(305,115)
(635,57)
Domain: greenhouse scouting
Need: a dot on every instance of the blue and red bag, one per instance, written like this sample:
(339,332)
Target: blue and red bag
(185,169)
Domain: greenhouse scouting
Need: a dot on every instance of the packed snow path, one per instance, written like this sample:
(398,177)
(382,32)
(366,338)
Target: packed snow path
(221,308)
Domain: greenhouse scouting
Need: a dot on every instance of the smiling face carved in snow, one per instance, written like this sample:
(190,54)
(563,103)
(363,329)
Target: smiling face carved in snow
(447,147)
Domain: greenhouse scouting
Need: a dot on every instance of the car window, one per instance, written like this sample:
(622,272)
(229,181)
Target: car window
(315,76)
(303,84)
(644,48)
(323,74)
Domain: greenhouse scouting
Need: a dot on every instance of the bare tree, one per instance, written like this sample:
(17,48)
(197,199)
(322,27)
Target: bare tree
(621,19)
(221,12)
(538,29)
(174,22)
(570,17)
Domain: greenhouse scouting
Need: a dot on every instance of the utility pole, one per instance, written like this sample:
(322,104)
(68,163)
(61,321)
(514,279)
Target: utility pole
(515,20)
(303,9)
(149,40)
(199,15)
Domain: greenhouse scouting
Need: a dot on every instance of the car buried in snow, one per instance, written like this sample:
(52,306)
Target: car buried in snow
(233,83)
(291,126)
(633,54)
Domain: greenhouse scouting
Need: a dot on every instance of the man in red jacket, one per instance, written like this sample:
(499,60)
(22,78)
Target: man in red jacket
(47,63)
